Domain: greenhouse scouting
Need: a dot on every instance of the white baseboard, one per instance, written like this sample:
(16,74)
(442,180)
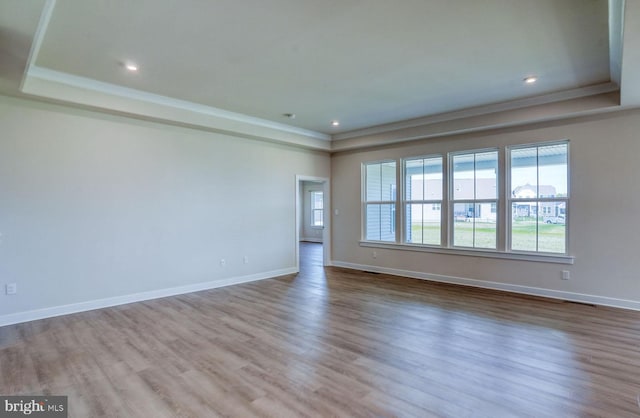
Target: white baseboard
(535,291)
(33,315)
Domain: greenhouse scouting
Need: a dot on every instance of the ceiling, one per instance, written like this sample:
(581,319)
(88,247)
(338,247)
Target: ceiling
(363,63)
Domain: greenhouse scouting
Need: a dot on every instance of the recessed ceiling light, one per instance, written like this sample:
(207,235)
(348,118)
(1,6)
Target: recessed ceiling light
(131,67)
(335,123)
(531,79)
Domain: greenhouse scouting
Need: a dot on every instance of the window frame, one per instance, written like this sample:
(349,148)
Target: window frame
(502,201)
(451,201)
(314,209)
(364,202)
(441,202)
(509,200)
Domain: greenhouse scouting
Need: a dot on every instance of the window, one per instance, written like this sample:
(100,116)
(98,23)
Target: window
(512,206)
(380,201)
(423,200)
(317,206)
(474,190)
(539,197)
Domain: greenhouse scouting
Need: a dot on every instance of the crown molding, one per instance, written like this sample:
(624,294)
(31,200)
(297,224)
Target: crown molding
(126,92)
(482,110)
(56,85)
(543,113)
(65,87)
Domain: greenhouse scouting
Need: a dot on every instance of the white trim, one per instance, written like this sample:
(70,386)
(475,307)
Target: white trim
(576,93)
(36,314)
(56,85)
(507,287)
(38,38)
(326,230)
(363,195)
(616,34)
(313,210)
(472,252)
(510,200)
(133,94)
(84,83)
(451,195)
(402,213)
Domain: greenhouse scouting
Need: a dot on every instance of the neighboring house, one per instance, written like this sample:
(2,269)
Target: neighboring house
(484,189)
(482,212)
(464,190)
(530,209)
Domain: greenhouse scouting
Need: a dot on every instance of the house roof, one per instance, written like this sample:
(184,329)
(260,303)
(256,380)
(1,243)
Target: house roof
(468,188)
(541,190)
(462,189)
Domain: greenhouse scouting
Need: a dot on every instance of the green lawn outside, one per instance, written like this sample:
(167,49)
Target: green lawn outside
(485,235)
(427,234)
(551,238)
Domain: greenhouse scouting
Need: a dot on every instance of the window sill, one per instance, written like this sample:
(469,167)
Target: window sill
(542,258)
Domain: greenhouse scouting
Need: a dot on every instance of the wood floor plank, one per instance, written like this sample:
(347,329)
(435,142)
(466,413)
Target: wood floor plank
(333,342)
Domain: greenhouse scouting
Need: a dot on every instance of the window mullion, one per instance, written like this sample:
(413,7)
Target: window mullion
(444,206)
(380,206)
(538,196)
(475,196)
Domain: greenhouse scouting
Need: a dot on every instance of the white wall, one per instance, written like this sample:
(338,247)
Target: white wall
(604,229)
(307,232)
(95,206)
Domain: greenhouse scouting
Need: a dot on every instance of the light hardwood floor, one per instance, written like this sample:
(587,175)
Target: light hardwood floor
(333,342)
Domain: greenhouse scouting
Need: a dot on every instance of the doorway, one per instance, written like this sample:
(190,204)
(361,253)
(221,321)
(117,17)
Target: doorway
(313,215)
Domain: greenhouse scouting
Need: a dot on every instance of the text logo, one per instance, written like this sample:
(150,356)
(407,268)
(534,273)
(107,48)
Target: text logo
(33,406)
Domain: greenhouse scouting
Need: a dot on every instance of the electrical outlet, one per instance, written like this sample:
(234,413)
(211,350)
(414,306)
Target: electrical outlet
(11,288)
(245,259)
(223,262)
(374,254)
(566,275)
